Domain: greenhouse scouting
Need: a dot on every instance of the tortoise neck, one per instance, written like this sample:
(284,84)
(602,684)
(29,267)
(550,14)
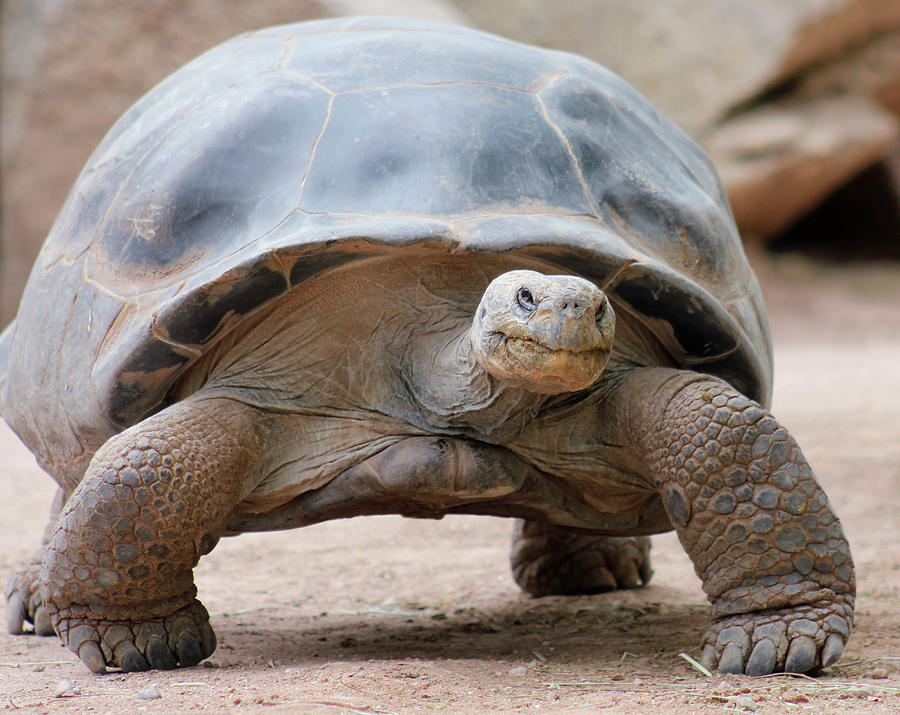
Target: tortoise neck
(454,392)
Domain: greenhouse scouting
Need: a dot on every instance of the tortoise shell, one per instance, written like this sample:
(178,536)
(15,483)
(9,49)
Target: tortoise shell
(293,150)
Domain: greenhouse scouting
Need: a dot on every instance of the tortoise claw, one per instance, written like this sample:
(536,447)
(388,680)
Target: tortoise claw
(42,624)
(832,650)
(801,655)
(90,654)
(189,650)
(732,660)
(15,615)
(130,658)
(208,639)
(627,576)
(552,560)
(708,657)
(763,658)
(159,655)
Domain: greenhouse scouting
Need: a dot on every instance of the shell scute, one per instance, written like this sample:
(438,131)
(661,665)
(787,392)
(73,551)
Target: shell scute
(447,150)
(639,184)
(226,174)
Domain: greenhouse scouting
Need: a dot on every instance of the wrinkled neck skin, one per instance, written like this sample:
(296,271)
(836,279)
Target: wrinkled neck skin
(454,392)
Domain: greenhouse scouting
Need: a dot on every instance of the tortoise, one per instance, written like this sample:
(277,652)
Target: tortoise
(370,266)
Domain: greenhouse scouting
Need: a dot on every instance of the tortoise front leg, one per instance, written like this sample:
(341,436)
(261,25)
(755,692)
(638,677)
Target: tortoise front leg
(117,578)
(747,508)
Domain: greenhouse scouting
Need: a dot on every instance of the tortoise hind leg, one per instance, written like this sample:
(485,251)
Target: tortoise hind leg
(550,560)
(117,577)
(23,601)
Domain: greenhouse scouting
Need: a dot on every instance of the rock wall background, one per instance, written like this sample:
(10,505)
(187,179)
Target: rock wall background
(793,100)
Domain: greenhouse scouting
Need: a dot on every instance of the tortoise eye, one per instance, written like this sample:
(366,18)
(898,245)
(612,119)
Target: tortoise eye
(525,299)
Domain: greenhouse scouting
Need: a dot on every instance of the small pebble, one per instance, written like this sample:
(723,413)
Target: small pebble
(148,693)
(746,703)
(878,673)
(518,670)
(65,689)
(795,696)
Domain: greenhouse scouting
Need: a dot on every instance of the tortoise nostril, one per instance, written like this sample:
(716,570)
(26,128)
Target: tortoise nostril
(569,308)
(601,310)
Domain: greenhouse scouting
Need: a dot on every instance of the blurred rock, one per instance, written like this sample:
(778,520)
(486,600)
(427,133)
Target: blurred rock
(65,689)
(872,69)
(70,68)
(866,208)
(150,692)
(439,10)
(778,161)
(843,117)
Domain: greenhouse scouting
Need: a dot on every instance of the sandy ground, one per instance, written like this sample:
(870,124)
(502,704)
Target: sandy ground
(383,614)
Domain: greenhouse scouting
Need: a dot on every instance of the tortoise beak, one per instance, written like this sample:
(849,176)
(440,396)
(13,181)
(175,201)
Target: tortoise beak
(575,322)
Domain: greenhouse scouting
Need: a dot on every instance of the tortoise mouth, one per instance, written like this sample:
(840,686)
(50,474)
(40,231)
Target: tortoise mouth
(532,345)
(533,365)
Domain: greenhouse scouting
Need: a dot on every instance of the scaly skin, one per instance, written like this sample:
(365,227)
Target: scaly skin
(770,551)
(553,560)
(117,577)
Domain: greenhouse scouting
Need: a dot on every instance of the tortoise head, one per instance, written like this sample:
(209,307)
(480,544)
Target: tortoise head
(545,334)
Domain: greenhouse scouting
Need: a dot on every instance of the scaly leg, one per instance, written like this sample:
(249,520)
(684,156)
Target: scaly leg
(763,538)
(117,578)
(553,560)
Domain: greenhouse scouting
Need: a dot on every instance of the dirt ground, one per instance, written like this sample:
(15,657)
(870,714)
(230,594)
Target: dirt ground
(382,614)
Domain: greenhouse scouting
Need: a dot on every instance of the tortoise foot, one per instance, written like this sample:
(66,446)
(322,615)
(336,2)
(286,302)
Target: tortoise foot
(791,640)
(551,560)
(181,639)
(23,603)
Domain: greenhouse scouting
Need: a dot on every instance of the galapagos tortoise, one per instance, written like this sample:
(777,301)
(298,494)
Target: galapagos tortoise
(371,266)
